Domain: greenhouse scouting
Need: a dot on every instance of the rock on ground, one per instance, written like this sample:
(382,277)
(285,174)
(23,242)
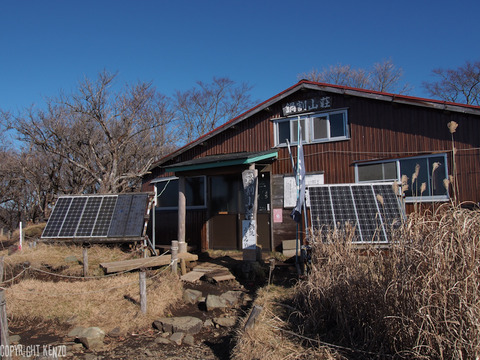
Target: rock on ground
(232,297)
(225,321)
(177,338)
(91,337)
(189,340)
(191,296)
(215,302)
(185,324)
(77,330)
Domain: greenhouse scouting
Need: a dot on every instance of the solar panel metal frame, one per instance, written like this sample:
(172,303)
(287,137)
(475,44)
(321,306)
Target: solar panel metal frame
(361,222)
(72,216)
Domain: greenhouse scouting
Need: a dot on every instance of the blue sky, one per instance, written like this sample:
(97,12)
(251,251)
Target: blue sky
(47,46)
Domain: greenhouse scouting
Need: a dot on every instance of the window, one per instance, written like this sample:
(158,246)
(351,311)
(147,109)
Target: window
(167,192)
(331,126)
(425,174)
(378,171)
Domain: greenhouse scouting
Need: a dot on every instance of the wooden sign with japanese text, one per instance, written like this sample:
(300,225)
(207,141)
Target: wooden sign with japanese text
(301,106)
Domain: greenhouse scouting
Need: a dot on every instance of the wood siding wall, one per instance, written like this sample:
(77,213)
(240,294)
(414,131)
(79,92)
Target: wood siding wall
(167,227)
(378,130)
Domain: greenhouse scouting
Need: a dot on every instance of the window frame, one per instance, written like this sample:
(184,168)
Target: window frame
(188,207)
(397,161)
(309,130)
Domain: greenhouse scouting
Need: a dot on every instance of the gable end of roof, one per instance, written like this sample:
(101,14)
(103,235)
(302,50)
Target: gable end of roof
(330,88)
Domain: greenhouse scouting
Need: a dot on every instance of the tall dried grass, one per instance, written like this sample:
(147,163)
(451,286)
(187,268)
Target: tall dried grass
(271,338)
(419,299)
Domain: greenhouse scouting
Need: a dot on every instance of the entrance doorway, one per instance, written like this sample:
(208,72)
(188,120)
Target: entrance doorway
(226,208)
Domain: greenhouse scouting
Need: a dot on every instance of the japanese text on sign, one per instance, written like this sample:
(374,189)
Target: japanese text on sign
(300,106)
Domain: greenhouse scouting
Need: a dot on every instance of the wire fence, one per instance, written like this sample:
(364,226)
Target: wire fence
(30,268)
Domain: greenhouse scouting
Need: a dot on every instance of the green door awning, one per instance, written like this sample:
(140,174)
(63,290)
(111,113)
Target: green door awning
(224,160)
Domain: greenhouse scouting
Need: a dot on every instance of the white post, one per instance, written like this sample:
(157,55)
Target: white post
(21,236)
(153,217)
(174,251)
(182,213)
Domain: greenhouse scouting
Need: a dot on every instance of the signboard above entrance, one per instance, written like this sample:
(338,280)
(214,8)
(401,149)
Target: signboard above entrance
(301,106)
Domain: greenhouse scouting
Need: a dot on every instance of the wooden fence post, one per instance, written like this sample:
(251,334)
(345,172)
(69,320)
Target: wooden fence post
(85,262)
(174,250)
(2,258)
(183,266)
(143,291)
(253,317)
(4,338)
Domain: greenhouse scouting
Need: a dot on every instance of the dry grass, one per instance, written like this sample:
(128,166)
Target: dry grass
(270,338)
(418,300)
(30,231)
(66,259)
(107,303)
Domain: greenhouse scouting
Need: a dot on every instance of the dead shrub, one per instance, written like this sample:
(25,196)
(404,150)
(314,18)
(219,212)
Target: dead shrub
(420,298)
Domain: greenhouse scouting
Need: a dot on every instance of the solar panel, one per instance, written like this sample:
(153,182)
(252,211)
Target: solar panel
(388,206)
(89,217)
(55,221)
(343,207)
(72,217)
(136,217)
(104,217)
(97,216)
(369,223)
(373,209)
(119,221)
(323,219)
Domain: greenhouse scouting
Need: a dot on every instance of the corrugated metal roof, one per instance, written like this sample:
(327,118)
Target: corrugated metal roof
(338,89)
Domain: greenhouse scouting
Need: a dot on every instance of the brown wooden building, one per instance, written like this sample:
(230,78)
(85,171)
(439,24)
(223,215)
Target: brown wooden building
(350,136)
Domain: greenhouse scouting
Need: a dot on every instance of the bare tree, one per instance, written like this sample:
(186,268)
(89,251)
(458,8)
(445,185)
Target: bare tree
(457,85)
(340,75)
(105,141)
(207,105)
(383,76)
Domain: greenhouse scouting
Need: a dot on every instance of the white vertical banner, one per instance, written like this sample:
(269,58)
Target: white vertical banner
(249,241)
(300,171)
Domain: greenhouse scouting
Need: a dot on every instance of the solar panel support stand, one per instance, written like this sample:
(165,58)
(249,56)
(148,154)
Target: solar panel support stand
(85,262)
(143,291)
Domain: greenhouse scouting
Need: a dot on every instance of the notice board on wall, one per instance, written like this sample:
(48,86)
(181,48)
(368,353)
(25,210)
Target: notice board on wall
(290,189)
